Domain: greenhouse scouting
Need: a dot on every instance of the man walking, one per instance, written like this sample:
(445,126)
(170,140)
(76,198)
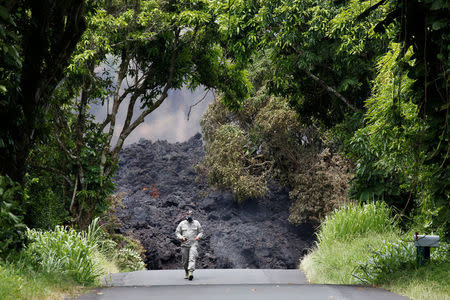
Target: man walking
(189,231)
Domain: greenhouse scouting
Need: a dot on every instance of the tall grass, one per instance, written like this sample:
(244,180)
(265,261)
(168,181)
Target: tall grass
(57,262)
(361,244)
(335,262)
(355,220)
(18,280)
(65,251)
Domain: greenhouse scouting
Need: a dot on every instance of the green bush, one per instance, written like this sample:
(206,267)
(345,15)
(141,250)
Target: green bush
(129,260)
(19,281)
(11,216)
(391,258)
(64,251)
(441,253)
(375,254)
(355,220)
(45,208)
(126,252)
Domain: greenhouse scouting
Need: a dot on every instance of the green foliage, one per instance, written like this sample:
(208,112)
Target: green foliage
(386,147)
(357,228)
(34,53)
(136,50)
(423,32)
(318,45)
(429,282)
(390,258)
(375,253)
(226,161)
(81,257)
(384,262)
(9,55)
(45,208)
(69,157)
(329,264)
(11,216)
(155,34)
(355,220)
(389,150)
(126,252)
(56,262)
(129,260)
(64,251)
(18,280)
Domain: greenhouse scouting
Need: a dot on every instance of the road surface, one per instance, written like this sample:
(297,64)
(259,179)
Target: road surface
(227,284)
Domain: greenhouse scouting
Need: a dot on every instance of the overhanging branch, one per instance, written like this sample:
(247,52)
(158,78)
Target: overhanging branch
(331,90)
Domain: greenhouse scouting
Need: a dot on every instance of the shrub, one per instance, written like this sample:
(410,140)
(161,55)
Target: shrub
(126,253)
(45,207)
(355,220)
(391,258)
(64,251)
(441,253)
(12,227)
(129,260)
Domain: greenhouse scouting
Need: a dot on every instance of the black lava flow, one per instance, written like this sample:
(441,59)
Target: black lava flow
(159,183)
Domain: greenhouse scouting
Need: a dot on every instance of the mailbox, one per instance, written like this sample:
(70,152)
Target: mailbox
(426,240)
(423,244)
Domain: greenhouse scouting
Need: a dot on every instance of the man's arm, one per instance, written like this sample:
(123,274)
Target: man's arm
(199,231)
(178,233)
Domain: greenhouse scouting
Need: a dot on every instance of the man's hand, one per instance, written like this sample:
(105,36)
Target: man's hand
(184,239)
(196,239)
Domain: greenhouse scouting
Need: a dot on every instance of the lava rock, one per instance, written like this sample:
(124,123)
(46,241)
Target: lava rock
(159,181)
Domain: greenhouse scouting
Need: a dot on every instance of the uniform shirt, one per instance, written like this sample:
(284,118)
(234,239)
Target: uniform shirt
(190,231)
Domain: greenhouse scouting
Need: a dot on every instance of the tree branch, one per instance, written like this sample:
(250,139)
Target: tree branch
(122,73)
(331,90)
(112,117)
(196,103)
(73,194)
(127,130)
(55,171)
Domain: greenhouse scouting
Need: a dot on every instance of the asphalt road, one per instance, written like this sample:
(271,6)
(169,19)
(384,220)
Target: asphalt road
(227,284)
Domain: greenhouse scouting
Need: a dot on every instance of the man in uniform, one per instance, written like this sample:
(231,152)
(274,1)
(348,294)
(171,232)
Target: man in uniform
(189,231)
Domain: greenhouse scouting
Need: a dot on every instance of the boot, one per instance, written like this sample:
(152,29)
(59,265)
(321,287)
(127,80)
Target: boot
(191,275)
(186,274)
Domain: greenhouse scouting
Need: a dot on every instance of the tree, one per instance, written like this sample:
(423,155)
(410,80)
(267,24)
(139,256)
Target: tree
(423,33)
(37,39)
(131,55)
(322,56)
(40,38)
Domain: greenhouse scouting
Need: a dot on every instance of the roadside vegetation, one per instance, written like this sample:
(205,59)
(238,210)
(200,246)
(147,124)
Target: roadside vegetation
(362,244)
(62,261)
(337,101)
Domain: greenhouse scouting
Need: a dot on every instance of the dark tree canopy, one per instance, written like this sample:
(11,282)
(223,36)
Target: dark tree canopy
(41,36)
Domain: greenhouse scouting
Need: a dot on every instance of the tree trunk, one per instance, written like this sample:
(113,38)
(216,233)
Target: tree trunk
(48,42)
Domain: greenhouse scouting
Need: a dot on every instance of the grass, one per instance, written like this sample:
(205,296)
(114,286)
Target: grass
(354,220)
(24,283)
(62,262)
(334,262)
(351,236)
(426,283)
